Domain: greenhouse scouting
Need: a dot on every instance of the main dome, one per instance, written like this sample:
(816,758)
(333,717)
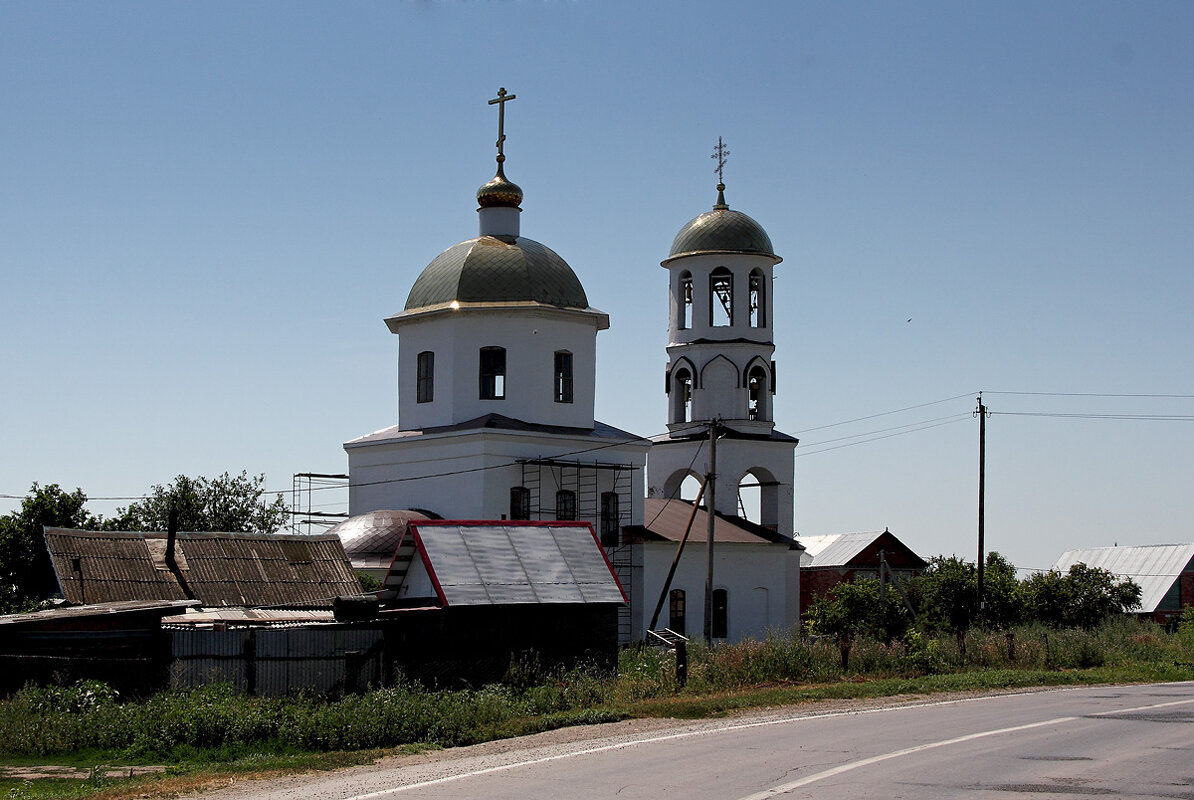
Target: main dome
(498,269)
(722,231)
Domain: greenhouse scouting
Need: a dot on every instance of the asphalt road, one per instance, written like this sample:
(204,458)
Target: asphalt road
(1123,741)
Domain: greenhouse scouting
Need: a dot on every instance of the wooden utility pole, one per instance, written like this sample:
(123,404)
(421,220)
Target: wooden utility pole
(982,491)
(710,483)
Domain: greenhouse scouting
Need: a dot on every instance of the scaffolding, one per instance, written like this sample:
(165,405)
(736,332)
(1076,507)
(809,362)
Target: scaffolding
(304,518)
(545,478)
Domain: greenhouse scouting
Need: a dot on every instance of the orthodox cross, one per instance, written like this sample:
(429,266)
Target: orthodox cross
(501,101)
(721,153)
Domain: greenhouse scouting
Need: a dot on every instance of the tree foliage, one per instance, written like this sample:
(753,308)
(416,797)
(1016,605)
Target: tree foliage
(854,609)
(228,503)
(1081,598)
(25,570)
(231,503)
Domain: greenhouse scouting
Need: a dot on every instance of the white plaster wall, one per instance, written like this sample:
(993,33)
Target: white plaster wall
(468,474)
(762,582)
(735,457)
(531,336)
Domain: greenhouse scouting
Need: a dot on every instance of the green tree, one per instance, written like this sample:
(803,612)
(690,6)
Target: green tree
(229,503)
(854,609)
(1003,597)
(1081,598)
(26,574)
(946,594)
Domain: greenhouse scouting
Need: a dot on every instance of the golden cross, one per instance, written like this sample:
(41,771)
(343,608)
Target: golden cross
(721,153)
(501,101)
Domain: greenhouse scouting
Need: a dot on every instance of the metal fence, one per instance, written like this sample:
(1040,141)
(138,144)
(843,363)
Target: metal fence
(282,661)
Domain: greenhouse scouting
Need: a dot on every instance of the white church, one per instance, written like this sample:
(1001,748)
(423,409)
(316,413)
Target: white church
(496,384)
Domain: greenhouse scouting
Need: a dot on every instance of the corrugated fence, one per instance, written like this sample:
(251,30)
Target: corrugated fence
(281,661)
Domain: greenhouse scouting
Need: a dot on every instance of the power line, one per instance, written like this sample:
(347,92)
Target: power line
(1155,417)
(1095,394)
(955,419)
(887,413)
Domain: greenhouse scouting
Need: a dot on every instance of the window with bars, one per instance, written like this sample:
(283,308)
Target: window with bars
(610,519)
(676,616)
(520,502)
(721,297)
(565,504)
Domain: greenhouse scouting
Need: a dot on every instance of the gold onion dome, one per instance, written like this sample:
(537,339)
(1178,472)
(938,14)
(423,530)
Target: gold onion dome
(499,192)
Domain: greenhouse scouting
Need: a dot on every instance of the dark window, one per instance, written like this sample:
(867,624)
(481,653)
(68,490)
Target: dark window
(758,301)
(675,611)
(684,301)
(563,376)
(756,384)
(425,390)
(493,373)
(520,502)
(720,627)
(682,386)
(565,504)
(610,519)
(721,297)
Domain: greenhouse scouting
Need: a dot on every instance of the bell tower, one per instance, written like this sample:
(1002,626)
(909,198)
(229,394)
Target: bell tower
(720,364)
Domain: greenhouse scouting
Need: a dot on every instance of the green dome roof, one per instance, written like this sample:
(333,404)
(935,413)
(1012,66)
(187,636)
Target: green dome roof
(720,231)
(492,269)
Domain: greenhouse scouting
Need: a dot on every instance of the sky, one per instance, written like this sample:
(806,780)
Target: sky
(206,211)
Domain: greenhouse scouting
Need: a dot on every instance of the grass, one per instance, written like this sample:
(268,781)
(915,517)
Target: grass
(212,735)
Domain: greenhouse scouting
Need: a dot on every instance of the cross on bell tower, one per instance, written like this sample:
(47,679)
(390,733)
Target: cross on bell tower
(501,101)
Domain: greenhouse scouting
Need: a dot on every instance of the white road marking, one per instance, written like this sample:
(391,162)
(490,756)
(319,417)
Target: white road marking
(865,762)
(758,724)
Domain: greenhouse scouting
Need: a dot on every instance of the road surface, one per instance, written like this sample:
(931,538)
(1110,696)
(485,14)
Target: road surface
(1122,741)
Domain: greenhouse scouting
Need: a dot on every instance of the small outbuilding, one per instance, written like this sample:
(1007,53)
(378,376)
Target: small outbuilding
(1164,572)
(845,557)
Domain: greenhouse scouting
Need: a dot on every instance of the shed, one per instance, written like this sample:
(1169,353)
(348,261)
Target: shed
(844,557)
(1164,572)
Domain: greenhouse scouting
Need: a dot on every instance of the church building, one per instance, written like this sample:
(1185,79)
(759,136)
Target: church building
(496,382)
(496,386)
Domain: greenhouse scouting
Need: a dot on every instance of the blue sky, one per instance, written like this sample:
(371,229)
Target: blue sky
(207,209)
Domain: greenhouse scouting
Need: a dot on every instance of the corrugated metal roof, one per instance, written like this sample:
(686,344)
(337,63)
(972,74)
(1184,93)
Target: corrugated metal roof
(668,518)
(1154,567)
(164,608)
(842,549)
(221,569)
(497,563)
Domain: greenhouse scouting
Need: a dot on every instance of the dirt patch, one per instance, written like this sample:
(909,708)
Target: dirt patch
(50,771)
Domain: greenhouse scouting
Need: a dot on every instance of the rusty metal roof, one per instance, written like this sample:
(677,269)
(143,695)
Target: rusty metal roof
(220,569)
(666,520)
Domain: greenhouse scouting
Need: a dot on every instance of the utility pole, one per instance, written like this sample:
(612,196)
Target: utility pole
(710,482)
(982,491)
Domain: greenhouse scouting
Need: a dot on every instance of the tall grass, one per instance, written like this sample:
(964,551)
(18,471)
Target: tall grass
(215,724)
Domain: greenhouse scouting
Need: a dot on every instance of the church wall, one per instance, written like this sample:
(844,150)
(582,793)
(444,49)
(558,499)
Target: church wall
(531,338)
(475,493)
(762,582)
(735,457)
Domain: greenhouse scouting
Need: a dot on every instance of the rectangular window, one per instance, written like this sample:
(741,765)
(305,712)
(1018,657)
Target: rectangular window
(676,614)
(565,504)
(425,390)
(520,502)
(720,629)
(563,377)
(611,521)
(493,373)
(685,305)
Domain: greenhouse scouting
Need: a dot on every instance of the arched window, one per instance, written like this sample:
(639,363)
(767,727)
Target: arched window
(756,387)
(675,611)
(682,395)
(563,380)
(684,301)
(758,300)
(611,520)
(565,504)
(721,297)
(520,502)
(493,373)
(720,629)
(425,384)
